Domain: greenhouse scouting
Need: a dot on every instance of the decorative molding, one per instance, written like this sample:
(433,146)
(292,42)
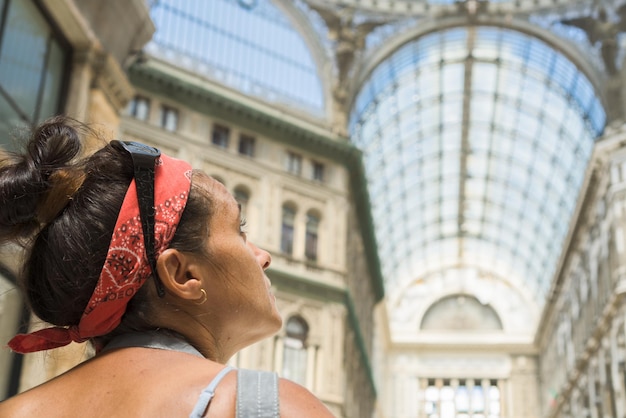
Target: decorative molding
(112,80)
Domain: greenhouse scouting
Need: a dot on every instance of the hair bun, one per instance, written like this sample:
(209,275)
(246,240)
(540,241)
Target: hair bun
(37,185)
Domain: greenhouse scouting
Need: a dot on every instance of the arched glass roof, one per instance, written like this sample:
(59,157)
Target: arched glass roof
(475,141)
(246,44)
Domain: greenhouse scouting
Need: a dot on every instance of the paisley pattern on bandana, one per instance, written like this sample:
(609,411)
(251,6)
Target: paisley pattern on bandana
(126,267)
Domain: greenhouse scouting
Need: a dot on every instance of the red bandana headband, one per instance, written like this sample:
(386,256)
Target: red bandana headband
(126,267)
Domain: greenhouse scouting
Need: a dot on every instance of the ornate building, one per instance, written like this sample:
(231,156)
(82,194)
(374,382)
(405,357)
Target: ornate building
(442,184)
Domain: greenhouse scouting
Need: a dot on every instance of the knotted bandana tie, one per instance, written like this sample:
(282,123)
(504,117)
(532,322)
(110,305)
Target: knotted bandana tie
(126,267)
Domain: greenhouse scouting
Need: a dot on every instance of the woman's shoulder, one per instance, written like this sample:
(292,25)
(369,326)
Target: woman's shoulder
(297,401)
(32,403)
(138,381)
(169,381)
(16,407)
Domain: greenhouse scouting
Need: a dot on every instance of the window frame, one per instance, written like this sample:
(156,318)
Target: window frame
(246,145)
(223,140)
(293,163)
(287,231)
(166,111)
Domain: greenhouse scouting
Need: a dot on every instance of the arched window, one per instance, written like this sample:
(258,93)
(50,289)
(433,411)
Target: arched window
(310,244)
(462,313)
(242,196)
(286,238)
(295,350)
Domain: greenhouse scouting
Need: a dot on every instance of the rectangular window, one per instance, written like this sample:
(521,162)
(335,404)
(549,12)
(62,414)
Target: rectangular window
(286,240)
(310,242)
(140,108)
(294,163)
(295,352)
(481,398)
(169,118)
(32,68)
(246,145)
(286,235)
(318,171)
(294,363)
(220,136)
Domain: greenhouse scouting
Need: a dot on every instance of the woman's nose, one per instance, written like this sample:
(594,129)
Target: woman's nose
(264,258)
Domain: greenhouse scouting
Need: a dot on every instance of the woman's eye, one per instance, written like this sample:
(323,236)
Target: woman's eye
(242,227)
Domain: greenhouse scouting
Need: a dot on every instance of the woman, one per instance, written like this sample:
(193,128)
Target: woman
(148,260)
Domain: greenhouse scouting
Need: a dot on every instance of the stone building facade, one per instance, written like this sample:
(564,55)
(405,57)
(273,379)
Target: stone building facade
(441,184)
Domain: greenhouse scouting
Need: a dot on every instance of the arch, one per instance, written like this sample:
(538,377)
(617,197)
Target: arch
(518,311)
(297,328)
(243,189)
(460,312)
(430,26)
(291,205)
(302,23)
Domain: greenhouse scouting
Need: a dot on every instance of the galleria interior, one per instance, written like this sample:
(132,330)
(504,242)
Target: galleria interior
(442,184)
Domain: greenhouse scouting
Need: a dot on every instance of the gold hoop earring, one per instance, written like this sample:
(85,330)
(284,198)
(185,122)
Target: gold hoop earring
(204,298)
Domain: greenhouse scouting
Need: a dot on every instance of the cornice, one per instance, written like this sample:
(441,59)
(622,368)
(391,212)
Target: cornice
(112,80)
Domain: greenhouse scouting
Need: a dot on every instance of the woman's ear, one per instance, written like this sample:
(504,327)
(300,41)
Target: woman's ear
(174,270)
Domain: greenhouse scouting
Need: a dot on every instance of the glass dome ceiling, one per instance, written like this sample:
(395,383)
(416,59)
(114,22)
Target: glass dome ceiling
(476,141)
(249,45)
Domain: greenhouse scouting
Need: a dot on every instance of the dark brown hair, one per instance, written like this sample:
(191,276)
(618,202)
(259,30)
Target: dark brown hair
(63,207)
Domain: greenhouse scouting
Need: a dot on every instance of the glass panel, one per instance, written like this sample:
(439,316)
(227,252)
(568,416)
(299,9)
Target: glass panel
(220,136)
(526,128)
(254,49)
(294,362)
(286,240)
(31,69)
(23,54)
(310,244)
(10,122)
(295,352)
(169,118)
(52,81)
(246,145)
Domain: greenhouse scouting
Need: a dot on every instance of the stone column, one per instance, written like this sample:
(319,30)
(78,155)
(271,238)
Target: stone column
(523,382)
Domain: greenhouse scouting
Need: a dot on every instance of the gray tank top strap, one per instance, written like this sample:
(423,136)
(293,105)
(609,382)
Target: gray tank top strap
(257,394)
(152,339)
(207,394)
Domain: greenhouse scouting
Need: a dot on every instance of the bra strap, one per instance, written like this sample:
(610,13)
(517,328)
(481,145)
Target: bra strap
(207,394)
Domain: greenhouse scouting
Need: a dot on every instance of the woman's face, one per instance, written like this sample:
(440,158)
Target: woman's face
(240,303)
